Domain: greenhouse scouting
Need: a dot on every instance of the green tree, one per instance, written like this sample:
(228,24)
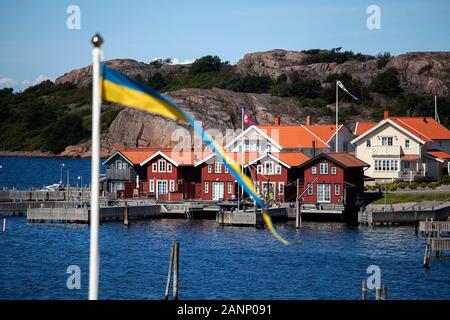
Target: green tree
(305,88)
(387,83)
(206,64)
(67,130)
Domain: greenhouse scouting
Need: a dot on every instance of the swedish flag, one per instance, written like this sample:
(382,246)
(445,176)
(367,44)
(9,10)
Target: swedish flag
(120,89)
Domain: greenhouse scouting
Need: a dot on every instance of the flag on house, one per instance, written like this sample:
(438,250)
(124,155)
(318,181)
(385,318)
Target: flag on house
(339,83)
(120,89)
(247,119)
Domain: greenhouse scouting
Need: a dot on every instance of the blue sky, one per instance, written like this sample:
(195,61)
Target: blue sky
(35,43)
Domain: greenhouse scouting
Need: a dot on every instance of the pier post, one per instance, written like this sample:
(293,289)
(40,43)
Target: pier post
(364,290)
(385,292)
(378,293)
(298,217)
(175,270)
(169,273)
(426,257)
(126,216)
(4,225)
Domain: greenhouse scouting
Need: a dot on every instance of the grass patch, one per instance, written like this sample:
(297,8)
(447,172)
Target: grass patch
(393,198)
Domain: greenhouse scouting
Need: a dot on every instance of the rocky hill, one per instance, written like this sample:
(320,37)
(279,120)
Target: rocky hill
(289,84)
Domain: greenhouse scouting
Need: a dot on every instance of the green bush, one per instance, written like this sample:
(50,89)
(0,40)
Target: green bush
(423,185)
(206,64)
(402,185)
(387,83)
(445,180)
(433,185)
(413,185)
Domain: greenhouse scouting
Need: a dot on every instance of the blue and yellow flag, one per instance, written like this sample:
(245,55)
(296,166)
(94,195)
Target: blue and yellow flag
(120,89)
(339,83)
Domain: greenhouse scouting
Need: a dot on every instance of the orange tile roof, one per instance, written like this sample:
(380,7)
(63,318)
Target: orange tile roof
(292,158)
(425,128)
(323,131)
(138,155)
(362,127)
(292,136)
(439,154)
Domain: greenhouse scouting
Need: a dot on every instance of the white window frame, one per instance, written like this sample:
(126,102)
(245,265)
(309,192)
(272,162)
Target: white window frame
(162,165)
(324,168)
(333,170)
(277,169)
(206,187)
(267,165)
(225,169)
(337,189)
(368,143)
(217,167)
(164,186)
(321,194)
(151,186)
(314,170)
(154,167)
(229,187)
(387,141)
(169,167)
(407,143)
(259,169)
(280,188)
(172,186)
(310,189)
(209,168)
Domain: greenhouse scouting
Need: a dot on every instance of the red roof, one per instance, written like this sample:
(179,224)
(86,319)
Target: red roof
(346,160)
(410,157)
(138,155)
(293,136)
(292,158)
(439,154)
(362,127)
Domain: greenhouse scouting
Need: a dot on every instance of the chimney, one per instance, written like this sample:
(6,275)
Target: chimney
(386,114)
(308,120)
(277,120)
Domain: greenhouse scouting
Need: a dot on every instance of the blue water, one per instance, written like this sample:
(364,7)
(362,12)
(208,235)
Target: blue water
(30,172)
(216,262)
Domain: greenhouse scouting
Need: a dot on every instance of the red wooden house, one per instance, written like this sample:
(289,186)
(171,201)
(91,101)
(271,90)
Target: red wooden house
(171,174)
(332,178)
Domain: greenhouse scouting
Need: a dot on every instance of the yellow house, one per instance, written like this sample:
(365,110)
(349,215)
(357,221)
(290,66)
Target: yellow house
(403,148)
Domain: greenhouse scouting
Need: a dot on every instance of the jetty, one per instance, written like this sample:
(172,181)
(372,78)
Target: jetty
(438,238)
(404,213)
(250,217)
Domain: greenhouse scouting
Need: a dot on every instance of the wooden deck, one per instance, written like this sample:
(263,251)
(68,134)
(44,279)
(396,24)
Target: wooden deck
(250,217)
(438,238)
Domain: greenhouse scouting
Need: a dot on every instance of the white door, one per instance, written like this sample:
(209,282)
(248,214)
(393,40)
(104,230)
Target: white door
(162,186)
(324,192)
(217,190)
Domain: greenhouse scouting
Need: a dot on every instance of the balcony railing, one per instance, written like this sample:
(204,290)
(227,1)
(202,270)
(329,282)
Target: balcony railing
(411,175)
(386,151)
(121,174)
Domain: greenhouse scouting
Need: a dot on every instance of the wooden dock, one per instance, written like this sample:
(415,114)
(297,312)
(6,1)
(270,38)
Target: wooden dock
(438,238)
(405,213)
(81,214)
(250,217)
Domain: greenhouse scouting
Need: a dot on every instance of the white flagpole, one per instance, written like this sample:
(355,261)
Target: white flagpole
(94,256)
(337,113)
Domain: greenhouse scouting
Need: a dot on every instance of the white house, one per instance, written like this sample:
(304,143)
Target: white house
(404,148)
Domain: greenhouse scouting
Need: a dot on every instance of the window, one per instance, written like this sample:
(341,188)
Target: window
(169,167)
(386,165)
(259,169)
(280,187)
(387,141)
(323,192)
(217,167)
(229,187)
(162,165)
(209,168)
(310,189)
(337,189)
(324,168)
(268,167)
(162,186)
(368,143)
(407,143)
(152,186)
(226,169)
(247,145)
(172,186)
(314,170)
(407,165)
(277,169)
(154,167)
(333,170)
(206,187)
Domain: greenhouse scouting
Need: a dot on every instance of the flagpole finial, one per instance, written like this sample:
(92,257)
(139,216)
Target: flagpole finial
(97,40)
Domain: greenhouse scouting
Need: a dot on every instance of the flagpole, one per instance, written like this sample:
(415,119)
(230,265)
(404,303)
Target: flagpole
(337,113)
(94,256)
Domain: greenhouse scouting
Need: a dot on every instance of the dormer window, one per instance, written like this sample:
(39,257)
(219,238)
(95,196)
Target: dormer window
(387,141)
(162,165)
